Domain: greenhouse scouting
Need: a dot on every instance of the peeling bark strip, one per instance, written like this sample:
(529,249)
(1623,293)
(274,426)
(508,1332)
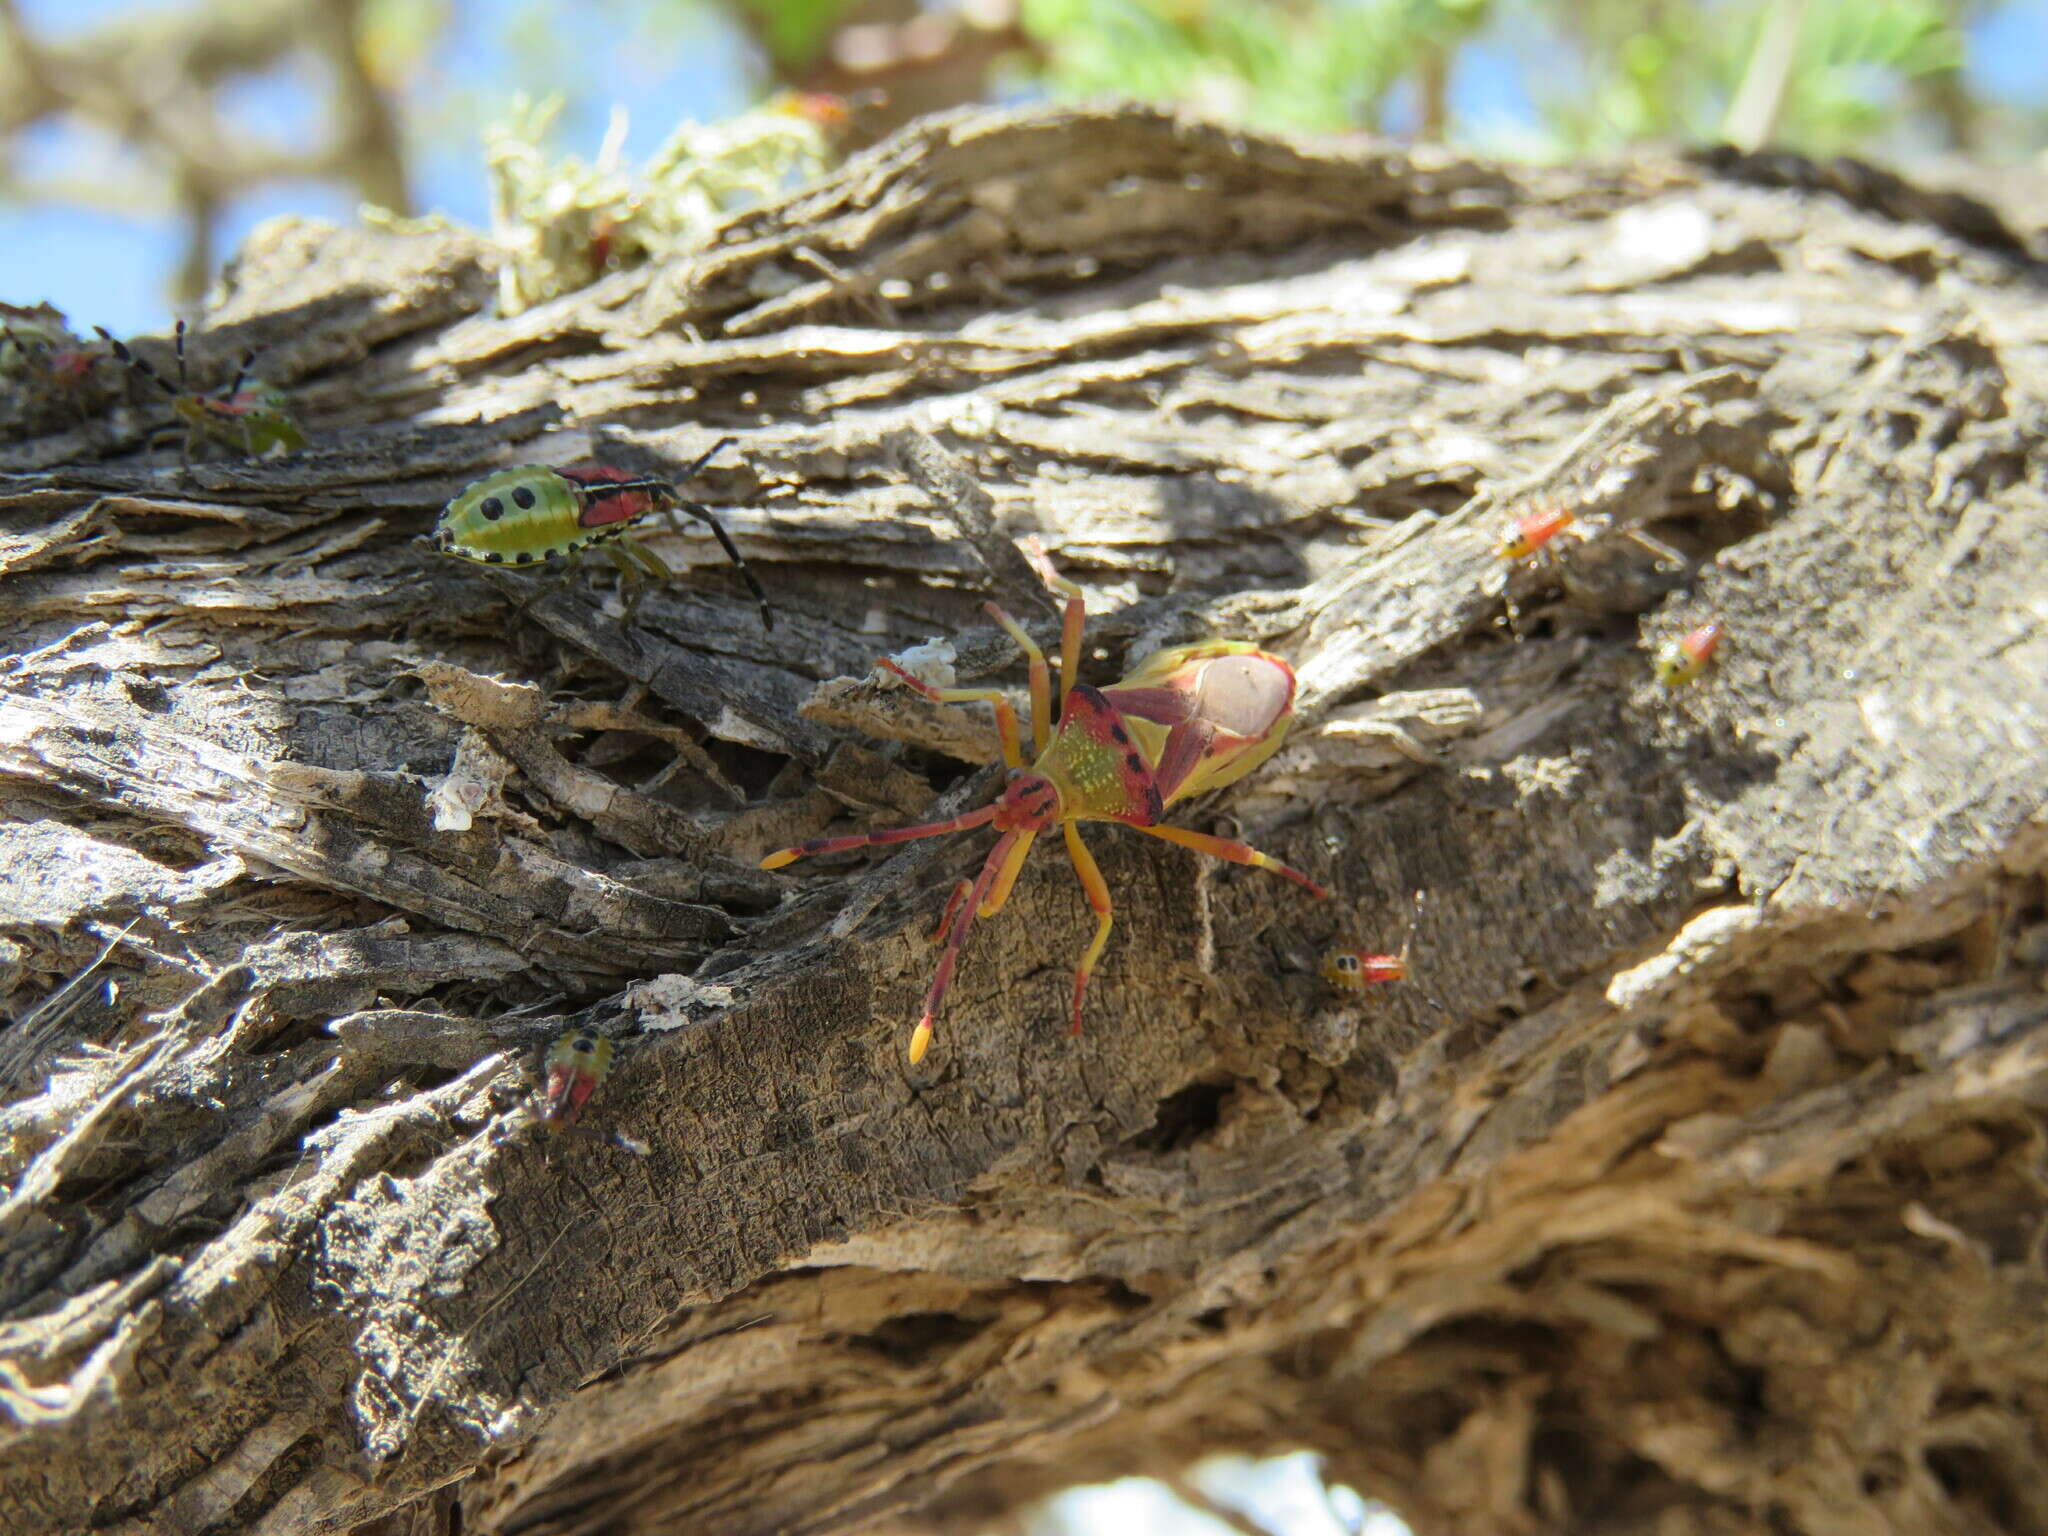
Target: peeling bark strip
(1709,1201)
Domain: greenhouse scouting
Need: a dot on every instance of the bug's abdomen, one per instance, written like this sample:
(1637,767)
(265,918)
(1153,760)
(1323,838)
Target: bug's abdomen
(515,517)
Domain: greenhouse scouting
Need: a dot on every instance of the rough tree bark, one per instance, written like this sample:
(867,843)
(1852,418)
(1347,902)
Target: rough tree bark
(1695,1186)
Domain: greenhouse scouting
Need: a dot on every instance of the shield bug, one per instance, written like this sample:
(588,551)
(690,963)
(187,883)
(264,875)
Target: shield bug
(248,417)
(1189,719)
(532,513)
(1353,970)
(1683,660)
(576,1064)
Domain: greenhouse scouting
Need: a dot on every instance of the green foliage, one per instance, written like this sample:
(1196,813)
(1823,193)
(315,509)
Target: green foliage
(1856,57)
(795,32)
(1320,64)
(1671,71)
(1603,73)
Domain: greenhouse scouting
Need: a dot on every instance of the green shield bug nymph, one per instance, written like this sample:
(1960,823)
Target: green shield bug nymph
(534,513)
(248,417)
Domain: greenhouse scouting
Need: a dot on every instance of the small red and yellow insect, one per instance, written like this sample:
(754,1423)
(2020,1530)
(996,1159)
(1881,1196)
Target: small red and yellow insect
(1192,718)
(1533,531)
(576,1064)
(1353,970)
(1683,660)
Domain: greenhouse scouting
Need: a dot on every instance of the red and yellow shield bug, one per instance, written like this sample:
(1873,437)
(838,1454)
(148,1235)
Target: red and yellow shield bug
(1189,719)
(1532,532)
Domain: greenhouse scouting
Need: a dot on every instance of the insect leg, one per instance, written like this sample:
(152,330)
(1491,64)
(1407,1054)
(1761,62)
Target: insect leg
(732,553)
(1098,898)
(1006,714)
(921,1037)
(960,889)
(784,856)
(241,373)
(1072,616)
(638,570)
(1007,876)
(1041,681)
(1236,852)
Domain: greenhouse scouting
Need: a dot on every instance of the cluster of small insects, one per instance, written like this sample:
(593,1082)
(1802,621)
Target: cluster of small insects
(532,514)
(1676,662)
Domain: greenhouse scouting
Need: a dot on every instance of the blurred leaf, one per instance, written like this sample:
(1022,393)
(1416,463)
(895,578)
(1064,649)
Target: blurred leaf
(796,32)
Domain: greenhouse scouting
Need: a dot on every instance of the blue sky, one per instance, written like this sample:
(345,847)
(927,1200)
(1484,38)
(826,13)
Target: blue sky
(109,266)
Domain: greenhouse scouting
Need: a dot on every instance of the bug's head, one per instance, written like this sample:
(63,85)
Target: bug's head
(1029,802)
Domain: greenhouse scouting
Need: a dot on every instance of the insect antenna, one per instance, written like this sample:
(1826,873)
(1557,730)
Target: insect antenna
(241,373)
(691,473)
(142,367)
(732,553)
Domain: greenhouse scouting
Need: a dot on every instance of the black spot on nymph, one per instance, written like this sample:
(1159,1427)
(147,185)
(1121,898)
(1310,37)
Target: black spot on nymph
(492,557)
(492,508)
(523,495)
(1134,762)
(523,557)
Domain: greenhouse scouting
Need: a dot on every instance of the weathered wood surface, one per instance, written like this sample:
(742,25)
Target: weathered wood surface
(1710,1200)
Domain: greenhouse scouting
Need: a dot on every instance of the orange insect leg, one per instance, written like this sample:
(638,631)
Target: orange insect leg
(1098,898)
(1006,715)
(1006,877)
(1072,617)
(1235,852)
(921,1037)
(1041,681)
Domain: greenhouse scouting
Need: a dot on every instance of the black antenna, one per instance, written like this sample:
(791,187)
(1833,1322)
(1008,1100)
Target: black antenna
(241,373)
(121,351)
